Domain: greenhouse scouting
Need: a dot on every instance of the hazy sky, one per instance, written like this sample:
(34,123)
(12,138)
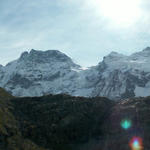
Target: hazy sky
(86,30)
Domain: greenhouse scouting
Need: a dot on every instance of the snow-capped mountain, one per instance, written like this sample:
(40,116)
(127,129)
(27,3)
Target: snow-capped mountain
(124,76)
(38,73)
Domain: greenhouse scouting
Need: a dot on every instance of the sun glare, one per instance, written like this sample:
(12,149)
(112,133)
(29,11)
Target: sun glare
(119,12)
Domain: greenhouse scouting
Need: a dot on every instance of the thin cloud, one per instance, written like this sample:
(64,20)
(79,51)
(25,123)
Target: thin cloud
(71,26)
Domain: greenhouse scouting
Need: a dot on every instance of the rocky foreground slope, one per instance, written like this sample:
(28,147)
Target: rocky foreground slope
(62,122)
(38,73)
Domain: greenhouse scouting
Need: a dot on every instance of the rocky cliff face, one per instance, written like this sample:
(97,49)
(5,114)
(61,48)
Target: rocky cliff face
(38,73)
(51,72)
(124,76)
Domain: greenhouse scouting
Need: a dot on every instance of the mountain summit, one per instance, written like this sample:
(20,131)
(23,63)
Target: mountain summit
(37,73)
(45,56)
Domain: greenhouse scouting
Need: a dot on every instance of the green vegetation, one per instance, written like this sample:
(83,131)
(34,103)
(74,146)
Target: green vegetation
(10,136)
(62,122)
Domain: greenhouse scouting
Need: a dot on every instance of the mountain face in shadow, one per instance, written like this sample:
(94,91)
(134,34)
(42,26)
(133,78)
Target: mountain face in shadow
(38,73)
(62,122)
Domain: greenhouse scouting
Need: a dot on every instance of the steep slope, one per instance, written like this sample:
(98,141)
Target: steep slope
(10,136)
(40,73)
(122,76)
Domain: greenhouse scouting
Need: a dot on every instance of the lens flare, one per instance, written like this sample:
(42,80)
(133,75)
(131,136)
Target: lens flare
(126,124)
(136,143)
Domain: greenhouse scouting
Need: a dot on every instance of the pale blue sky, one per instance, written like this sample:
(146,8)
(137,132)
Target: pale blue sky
(75,27)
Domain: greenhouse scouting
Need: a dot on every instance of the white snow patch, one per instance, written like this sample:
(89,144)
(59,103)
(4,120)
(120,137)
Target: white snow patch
(142,91)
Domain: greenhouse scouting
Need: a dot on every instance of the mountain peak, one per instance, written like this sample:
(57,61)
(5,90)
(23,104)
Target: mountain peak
(147,49)
(40,56)
(24,55)
(48,52)
(113,56)
(113,53)
(41,72)
(139,55)
(1,66)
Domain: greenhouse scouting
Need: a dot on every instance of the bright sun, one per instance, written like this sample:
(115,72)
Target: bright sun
(123,13)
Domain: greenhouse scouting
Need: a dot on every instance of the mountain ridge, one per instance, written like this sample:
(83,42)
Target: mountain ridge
(117,76)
